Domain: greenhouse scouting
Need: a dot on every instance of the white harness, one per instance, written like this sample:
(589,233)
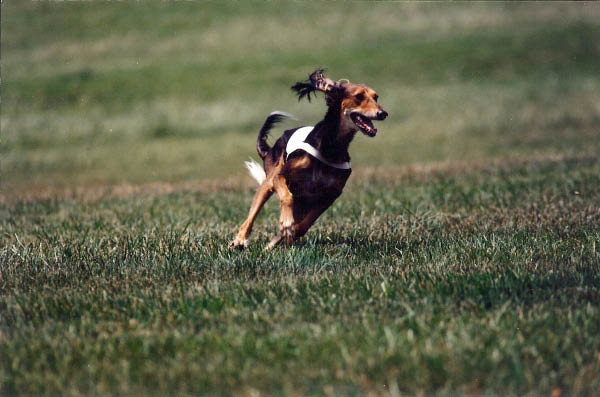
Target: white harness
(296,142)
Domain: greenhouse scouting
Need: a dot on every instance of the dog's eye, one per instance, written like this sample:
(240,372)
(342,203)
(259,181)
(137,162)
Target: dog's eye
(360,97)
(376,97)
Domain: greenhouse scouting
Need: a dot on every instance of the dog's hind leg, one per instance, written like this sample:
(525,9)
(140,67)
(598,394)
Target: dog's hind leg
(263,193)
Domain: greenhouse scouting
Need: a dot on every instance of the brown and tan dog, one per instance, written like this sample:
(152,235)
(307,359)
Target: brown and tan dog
(308,167)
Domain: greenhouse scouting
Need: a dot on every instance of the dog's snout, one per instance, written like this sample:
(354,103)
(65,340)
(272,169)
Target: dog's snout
(382,114)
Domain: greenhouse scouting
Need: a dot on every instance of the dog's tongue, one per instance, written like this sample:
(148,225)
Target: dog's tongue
(367,126)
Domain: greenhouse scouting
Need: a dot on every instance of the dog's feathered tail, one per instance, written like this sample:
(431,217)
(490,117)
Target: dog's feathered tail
(256,171)
(262,147)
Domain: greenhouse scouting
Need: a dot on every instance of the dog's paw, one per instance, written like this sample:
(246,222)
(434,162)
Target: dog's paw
(288,232)
(239,243)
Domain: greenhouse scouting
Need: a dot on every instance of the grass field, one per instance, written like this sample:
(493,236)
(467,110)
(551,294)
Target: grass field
(462,258)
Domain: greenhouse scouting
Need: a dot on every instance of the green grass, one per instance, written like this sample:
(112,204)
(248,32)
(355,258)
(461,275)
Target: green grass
(486,280)
(462,258)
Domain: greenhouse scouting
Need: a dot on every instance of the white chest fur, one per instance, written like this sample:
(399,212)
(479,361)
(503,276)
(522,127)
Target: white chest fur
(297,142)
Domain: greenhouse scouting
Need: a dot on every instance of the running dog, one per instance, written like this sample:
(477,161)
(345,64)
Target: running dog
(308,166)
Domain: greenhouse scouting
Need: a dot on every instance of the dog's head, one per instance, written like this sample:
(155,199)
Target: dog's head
(356,103)
(359,107)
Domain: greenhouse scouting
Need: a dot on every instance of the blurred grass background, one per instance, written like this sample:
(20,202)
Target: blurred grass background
(154,91)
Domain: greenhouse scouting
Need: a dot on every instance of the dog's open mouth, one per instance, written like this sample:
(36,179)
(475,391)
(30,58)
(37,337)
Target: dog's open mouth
(364,124)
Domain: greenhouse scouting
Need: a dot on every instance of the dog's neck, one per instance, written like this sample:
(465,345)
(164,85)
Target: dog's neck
(334,134)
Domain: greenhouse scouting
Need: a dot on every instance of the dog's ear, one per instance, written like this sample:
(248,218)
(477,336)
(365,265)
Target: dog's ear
(317,82)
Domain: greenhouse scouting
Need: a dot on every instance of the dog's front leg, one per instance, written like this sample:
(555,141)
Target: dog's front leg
(302,225)
(274,242)
(286,219)
(303,221)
